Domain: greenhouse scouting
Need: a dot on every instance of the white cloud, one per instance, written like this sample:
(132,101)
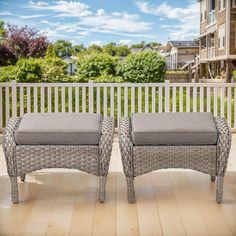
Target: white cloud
(5,13)
(124,42)
(187,18)
(100,12)
(63,8)
(31,16)
(44,21)
(39,4)
(118,23)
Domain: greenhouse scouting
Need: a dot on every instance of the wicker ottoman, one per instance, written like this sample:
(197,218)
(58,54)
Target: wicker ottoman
(58,140)
(195,141)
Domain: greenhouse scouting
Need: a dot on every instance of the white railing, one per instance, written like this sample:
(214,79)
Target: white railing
(211,52)
(203,54)
(117,99)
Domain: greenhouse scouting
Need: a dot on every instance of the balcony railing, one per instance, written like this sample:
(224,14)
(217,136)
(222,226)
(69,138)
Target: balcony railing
(211,52)
(207,53)
(203,54)
(117,99)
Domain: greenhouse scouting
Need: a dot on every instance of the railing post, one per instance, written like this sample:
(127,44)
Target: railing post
(14,98)
(167,96)
(91,85)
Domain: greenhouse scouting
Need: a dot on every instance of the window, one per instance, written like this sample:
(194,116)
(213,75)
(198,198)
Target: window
(233,3)
(221,37)
(222,5)
(212,4)
(203,6)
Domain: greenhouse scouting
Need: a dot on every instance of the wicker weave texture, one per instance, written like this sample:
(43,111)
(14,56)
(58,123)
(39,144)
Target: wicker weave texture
(93,159)
(199,158)
(38,157)
(212,160)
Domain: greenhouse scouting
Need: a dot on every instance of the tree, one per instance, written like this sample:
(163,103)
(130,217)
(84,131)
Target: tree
(110,49)
(146,67)
(94,48)
(123,51)
(154,44)
(50,51)
(53,70)
(78,48)
(26,42)
(7,56)
(63,48)
(139,45)
(2,30)
(28,70)
(95,65)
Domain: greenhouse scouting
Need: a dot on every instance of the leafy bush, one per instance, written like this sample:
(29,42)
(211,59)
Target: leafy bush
(54,70)
(146,66)
(49,69)
(7,73)
(234,74)
(28,70)
(96,65)
(109,79)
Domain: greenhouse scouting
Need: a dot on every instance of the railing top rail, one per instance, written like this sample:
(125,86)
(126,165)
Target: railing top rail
(217,84)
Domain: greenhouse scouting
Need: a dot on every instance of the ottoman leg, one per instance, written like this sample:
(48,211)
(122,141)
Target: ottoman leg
(102,188)
(130,189)
(213,178)
(22,177)
(219,189)
(14,190)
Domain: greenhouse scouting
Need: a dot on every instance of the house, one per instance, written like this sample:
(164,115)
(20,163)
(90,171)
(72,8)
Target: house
(71,61)
(181,53)
(162,51)
(217,40)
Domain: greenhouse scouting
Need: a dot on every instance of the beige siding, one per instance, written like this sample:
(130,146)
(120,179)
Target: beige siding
(233,32)
(221,17)
(203,27)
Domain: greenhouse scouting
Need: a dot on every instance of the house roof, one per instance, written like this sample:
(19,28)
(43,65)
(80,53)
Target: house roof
(142,49)
(183,44)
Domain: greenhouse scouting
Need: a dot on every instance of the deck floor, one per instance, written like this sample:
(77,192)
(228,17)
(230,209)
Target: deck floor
(170,202)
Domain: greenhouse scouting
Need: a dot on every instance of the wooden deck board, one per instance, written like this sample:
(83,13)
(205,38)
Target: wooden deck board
(169,202)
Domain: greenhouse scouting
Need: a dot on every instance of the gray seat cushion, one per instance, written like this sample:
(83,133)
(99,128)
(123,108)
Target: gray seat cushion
(59,128)
(173,129)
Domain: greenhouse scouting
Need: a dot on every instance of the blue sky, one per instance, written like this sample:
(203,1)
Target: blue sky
(103,21)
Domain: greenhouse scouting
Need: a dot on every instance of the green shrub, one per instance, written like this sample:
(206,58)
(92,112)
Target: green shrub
(49,69)
(146,66)
(54,70)
(234,74)
(95,65)
(108,79)
(28,70)
(25,70)
(7,73)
